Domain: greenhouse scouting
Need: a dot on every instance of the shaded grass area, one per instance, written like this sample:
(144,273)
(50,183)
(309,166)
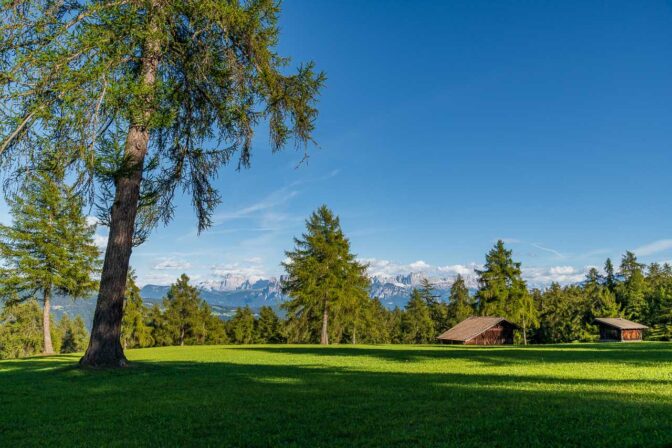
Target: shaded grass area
(565,395)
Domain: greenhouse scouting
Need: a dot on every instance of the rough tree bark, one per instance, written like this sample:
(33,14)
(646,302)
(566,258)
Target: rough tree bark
(324,338)
(46,323)
(105,348)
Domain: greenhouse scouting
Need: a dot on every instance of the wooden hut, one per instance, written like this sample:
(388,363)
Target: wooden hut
(616,329)
(480,331)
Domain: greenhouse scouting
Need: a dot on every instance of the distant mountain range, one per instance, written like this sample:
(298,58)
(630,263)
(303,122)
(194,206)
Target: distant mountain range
(235,290)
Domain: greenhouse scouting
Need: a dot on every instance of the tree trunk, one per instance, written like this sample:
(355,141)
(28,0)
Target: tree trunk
(46,323)
(105,348)
(324,339)
(524,333)
(182,337)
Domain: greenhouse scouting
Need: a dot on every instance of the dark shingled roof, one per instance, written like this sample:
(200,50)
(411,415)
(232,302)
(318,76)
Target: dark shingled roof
(472,327)
(620,323)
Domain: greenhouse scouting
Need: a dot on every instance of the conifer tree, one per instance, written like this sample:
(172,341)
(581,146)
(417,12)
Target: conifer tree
(268,326)
(183,314)
(416,323)
(460,304)
(135,332)
(21,329)
(610,277)
(438,310)
(73,333)
(49,248)
(324,278)
(242,326)
(153,96)
(500,283)
(602,302)
(631,292)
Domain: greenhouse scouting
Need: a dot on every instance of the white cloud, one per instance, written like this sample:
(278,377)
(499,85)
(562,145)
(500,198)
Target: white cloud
(543,276)
(245,270)
(171,264)
(419,266)
(458,269)
(653,248)
(156,279)
(100,241)
(562,270)
(386,268)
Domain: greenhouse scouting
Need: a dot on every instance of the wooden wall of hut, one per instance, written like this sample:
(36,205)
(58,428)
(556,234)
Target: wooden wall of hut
(631,335)
(500,334)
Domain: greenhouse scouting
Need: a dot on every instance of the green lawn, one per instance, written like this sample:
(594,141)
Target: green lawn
(566,395)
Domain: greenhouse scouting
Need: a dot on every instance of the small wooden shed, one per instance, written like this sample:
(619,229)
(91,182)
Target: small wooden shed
(616,329)
(480,331)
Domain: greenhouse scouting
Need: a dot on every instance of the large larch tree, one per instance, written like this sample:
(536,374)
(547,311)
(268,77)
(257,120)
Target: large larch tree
(147,97)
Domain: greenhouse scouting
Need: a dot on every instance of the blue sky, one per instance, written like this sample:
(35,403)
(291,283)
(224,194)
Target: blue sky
(447,125)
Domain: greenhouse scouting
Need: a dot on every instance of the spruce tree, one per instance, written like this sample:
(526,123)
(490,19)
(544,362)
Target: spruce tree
(610,276)
(73,333)
(417,326)
(460,305)
(154,97)
(631,292)
(183,313)
(602,302)
(324,279)
(502,291)
(135,331)
(242,326)
(438,310)
(268,326)
(49,247)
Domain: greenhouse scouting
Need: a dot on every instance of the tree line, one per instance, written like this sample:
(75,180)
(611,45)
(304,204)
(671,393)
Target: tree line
(49,248)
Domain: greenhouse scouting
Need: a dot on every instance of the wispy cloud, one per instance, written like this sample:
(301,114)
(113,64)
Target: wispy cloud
(171,264)
(271,201)
(548,249)
(653,248)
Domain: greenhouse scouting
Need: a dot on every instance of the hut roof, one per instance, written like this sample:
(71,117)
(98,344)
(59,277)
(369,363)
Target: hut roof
(620,323)
(472,327)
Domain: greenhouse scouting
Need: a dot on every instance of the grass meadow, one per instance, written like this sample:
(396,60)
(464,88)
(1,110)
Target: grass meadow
(286,395)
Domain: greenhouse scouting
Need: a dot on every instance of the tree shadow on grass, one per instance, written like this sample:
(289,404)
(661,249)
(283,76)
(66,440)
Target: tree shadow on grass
(621,353)
(47,402)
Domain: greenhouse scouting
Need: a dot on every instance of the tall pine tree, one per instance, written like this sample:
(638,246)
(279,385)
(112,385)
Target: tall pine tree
(49,248)
(631,292)
(324,280)
(502,290)
(184,313)
(135,332)
(460,305)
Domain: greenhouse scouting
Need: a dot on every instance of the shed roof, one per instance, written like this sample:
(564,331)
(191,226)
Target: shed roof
(472,327)
(620,323)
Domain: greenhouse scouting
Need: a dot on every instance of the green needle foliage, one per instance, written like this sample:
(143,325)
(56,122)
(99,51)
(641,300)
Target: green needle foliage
(242,326)
(73,333)
(327,286)
(460,305)
(49,247)
(135,331)
(417,325)
(269,328)
(148,97)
